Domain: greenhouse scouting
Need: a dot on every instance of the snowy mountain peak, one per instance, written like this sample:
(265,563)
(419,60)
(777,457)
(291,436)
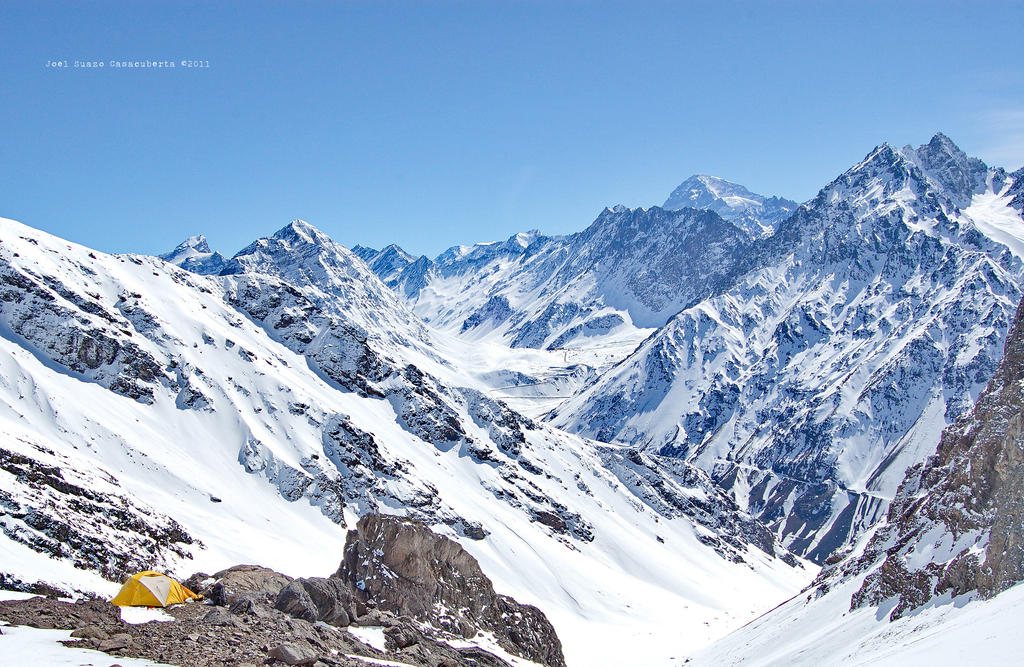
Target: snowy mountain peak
(301,230)
(194,254)
(299,248)
(960,177)
(701,190)
(524,239)
(754,213)
(396,252)
(197,243)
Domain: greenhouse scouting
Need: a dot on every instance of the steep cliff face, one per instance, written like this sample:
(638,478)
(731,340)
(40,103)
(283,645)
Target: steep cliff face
(957,523)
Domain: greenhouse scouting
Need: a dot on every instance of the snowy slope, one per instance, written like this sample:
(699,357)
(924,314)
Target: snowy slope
(823,631)
(870,320)
(756,214)
(151,417)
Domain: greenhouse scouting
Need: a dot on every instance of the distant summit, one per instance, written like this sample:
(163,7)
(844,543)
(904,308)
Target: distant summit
(754,213)
(194,254)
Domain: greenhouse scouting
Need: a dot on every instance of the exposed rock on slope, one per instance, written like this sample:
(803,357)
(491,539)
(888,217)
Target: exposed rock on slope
(89,519)
(401,567)
(957,523)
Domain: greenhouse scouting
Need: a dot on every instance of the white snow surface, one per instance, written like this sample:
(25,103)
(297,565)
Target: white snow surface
(372,635)
(140,615)
(944,633)
(21,645)
(993,217)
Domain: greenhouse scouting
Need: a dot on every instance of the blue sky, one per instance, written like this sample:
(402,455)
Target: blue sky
(433,123)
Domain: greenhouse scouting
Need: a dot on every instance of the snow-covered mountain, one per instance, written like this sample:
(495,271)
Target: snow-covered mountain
(756,214)
(388,263)
(194,254)
(614,282)
(938,583)
(864,325)
(956,527)
(706,385)
(153,417)
(608,285)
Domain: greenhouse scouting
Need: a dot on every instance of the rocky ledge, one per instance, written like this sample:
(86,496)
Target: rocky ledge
(424,596)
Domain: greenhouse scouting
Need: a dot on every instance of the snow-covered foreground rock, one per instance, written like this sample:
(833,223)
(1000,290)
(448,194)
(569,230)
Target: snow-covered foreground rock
(155,418)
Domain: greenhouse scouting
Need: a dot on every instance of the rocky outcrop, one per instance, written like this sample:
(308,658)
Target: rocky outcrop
(401,569)
(957,523)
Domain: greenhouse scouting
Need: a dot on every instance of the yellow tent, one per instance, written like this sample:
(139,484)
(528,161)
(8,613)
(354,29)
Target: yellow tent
(152,589)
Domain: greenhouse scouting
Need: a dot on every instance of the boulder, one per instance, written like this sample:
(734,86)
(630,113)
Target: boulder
(90,632)
(293,654)
(318,599)
(402,636)
(118,641)
(252,604)
(221,616)
(243,579)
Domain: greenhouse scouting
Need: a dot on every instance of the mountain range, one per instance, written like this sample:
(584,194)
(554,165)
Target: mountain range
(672,418)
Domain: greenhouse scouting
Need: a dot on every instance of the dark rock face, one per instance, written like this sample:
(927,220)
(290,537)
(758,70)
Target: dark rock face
(402,569)
(961,513)
(386,554)
(317,599)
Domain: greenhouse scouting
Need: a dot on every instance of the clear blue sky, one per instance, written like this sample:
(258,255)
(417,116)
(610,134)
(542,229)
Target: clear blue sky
(431,123)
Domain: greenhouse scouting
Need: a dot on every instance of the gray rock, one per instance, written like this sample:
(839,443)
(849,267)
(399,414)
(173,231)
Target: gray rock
(317,599)
(90,632)
(118,641)
(242,579)
(293,654)
(402,636)
(400,566)
(251,603)
(221,616)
